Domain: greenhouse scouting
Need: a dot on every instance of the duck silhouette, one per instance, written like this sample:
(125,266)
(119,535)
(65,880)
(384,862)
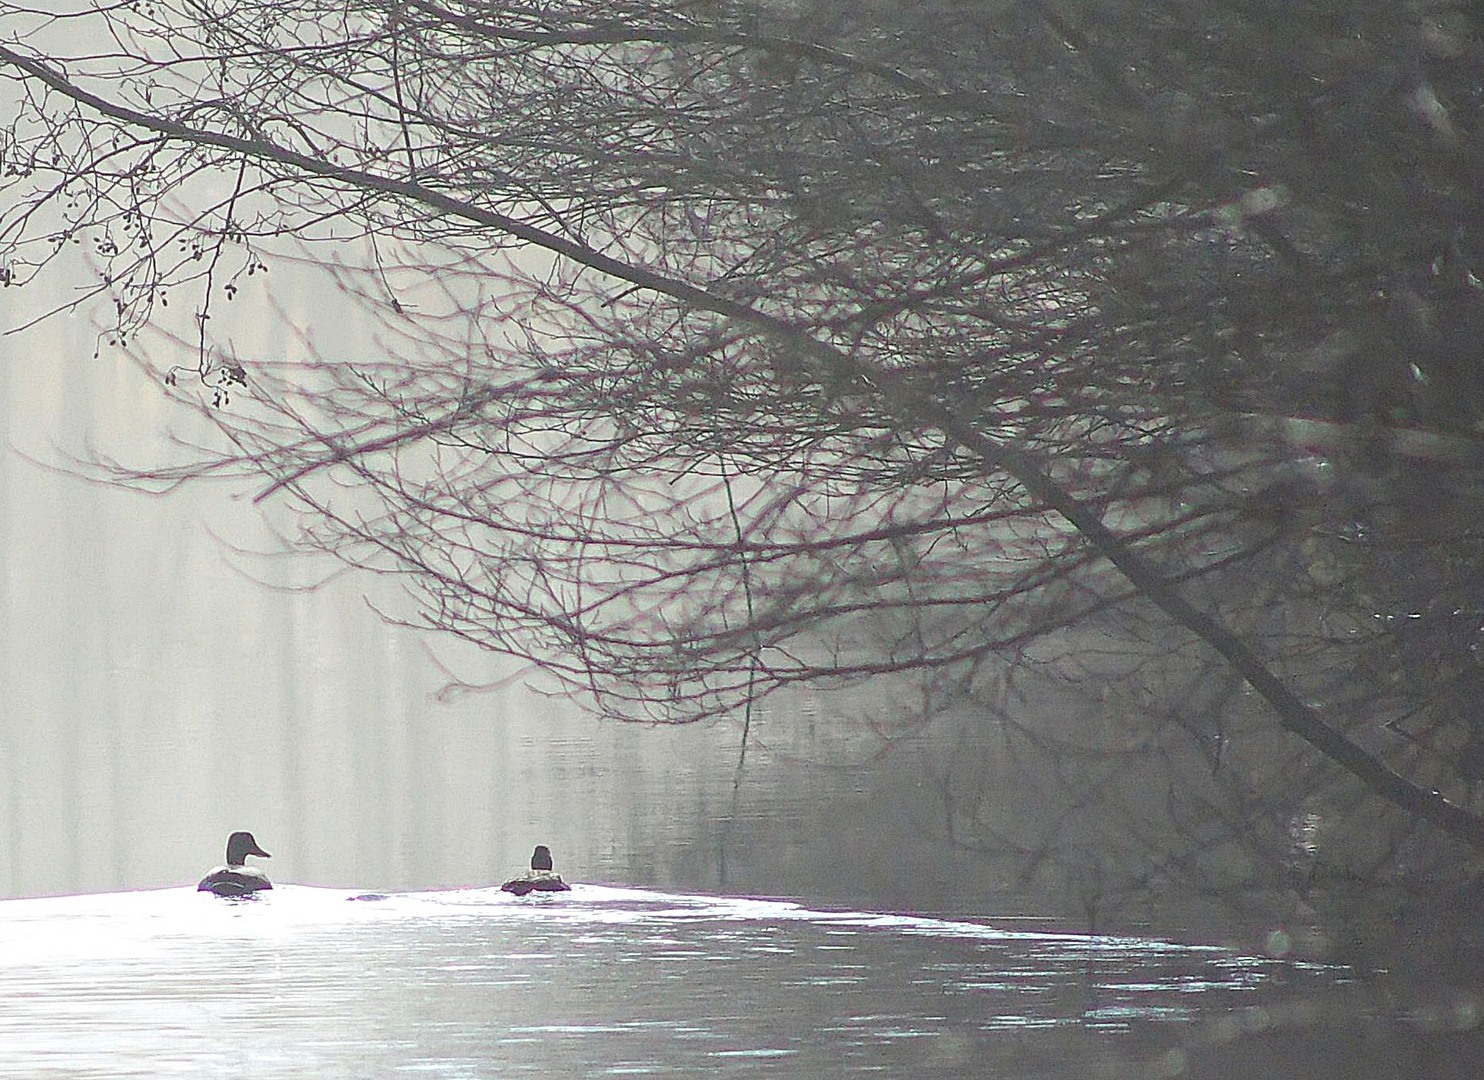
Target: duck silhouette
(235,879)
(540,878)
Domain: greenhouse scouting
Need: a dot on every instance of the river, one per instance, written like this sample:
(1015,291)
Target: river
(613,981)
(156,695)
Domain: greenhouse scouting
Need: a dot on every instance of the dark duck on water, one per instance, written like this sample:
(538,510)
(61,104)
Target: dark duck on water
(540,878)
(235,879)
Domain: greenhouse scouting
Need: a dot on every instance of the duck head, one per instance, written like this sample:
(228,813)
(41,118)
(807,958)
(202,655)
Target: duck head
(541,858)
(240,845)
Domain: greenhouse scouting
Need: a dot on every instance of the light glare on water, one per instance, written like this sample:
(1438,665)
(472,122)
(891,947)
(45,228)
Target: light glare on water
(602,981)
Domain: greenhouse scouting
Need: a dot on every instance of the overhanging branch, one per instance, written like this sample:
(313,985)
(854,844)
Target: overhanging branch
(896,394)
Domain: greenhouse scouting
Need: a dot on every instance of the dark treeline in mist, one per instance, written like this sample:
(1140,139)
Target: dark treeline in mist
(1100,380)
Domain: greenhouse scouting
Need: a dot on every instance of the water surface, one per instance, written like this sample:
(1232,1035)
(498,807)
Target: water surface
(602,981)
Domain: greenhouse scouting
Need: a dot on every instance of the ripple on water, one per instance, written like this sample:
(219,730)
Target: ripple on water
(603,980)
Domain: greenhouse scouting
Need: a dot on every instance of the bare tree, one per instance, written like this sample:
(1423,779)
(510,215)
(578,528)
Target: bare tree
(729,346)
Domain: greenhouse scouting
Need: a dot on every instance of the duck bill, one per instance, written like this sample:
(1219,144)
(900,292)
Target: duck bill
(255,850)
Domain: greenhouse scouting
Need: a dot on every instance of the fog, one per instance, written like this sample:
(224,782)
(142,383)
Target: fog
(163,686)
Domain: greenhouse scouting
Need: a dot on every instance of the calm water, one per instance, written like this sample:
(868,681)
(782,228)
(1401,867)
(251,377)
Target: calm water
(599,982)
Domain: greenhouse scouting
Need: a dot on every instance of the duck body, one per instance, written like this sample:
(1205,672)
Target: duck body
(235,879)
(540,877)
(535,881)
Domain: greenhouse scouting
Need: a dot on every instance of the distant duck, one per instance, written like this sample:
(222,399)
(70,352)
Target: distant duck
(540,878)
(234,879)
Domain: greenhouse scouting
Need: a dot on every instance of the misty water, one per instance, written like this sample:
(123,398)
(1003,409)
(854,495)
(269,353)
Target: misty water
(601,981)
(163,682)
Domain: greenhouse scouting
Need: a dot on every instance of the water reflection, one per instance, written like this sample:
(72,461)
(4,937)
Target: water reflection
(156,696)
(602,981)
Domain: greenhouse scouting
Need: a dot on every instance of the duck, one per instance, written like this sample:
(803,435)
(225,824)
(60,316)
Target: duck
(540,878)
(235,879)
